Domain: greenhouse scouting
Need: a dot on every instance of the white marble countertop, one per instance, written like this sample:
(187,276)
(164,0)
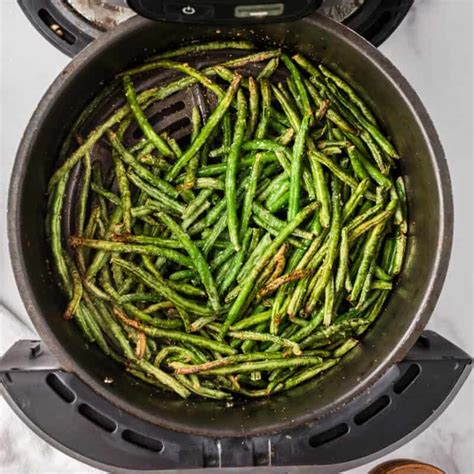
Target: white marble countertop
(433,48)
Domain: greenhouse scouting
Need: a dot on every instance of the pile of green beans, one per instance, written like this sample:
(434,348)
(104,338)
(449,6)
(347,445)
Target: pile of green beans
(248,258)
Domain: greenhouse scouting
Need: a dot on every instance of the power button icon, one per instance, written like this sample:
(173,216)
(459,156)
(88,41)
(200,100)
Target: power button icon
(188,10)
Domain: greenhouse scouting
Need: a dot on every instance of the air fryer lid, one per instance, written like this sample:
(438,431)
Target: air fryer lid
(429,195)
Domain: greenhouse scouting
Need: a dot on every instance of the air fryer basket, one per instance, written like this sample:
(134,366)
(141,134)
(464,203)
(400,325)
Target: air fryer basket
(430,227)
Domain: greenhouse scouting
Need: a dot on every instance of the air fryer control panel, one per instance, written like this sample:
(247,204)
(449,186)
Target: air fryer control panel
(224,11)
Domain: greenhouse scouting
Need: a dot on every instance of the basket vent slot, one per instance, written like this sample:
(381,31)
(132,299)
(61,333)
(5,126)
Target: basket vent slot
(60,388)
(329,435)
(407,379)
(97,418)
(372,410)
(142,441)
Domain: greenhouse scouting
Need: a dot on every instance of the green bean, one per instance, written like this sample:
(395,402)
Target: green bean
(355,199)
(185,318)
(402,212)
(381,285)
(227,361)
(253,106)
(289,110)
(227,75)
(193,165)
(191,219)
(282,153)
(147,240)
(249,196)
(206,130)
(208,183)
(226,125)
(265,365)
(296,166)
(329,302)
(251,58)
(204,391)
(109,195)
(230,181)
(294,96)
(331,255)
(290,98)
(399,254)
(301,89)
(203,48)
(236,264)
(253,320)
(269,69)
(376,309)
(276,283)
(266,91)
(286,137)
(345,347)
(194,205)
(153,308)
(264,337)
(328,333)
(86,178)
(139,297)
(375,152)
(77,290)
(169,350)
(201,322)
(307,374)
(120,247)
(163,378)
(125,199)
(142,121)
(274,187)
(194,73)
(322,192)
(138,313)
(359,169)
(182,275)
(221,257)
(81,321)
(368,256)
(55,234)
(197,258)
(217,230)
(342,269)
(115,329)
(278,201)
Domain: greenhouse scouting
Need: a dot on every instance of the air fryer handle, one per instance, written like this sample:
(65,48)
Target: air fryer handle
(396,408)
(49,17)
